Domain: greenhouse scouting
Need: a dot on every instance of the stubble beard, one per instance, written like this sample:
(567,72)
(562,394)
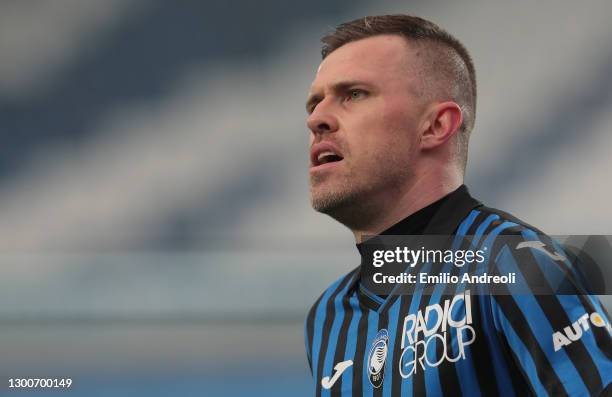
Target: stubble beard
(332,200)
(355,200)
(348,200)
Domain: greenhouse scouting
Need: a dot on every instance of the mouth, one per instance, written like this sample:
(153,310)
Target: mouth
(327,157)
(324,155)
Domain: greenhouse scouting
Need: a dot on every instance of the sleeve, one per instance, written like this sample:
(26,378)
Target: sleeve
(308,331)
(559,336)
(307,344)
(309,325)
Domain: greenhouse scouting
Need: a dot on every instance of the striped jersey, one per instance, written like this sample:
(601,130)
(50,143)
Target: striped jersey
(475,344)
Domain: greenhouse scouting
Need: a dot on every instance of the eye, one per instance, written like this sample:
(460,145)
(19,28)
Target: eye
(311,107)
(355,94)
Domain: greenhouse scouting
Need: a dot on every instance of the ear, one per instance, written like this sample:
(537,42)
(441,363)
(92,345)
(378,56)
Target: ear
(444,120)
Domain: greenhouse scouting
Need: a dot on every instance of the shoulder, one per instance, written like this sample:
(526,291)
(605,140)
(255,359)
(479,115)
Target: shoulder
(545,262)
(330,292)
(505,223)
(318,311)
(502,231)
(556,332)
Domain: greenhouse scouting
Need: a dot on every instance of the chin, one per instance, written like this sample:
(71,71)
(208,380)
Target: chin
(342,206)
(327,202)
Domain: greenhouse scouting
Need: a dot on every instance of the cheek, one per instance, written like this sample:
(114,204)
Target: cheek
(390,145)
(401,129)
(386,132)
(397,117)
(373,148)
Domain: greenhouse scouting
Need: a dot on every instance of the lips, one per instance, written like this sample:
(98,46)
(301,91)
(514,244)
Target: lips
(324,153)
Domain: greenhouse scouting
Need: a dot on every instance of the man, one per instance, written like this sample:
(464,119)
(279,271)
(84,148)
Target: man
(390,113)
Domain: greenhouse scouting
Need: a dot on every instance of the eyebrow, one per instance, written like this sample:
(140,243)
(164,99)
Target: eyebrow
(339,86)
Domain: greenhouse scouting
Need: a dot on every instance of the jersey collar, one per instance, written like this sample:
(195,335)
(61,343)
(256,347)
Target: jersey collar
(442,217)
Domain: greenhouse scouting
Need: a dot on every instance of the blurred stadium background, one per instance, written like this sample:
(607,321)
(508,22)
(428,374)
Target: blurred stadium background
(155,231)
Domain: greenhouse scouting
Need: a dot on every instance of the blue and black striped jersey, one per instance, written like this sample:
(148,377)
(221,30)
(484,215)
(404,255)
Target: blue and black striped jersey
(480,344)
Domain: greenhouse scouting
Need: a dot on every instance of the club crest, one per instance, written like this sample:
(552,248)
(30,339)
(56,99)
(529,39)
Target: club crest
(377,358)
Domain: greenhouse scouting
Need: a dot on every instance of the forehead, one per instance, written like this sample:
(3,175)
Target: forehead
(378,59)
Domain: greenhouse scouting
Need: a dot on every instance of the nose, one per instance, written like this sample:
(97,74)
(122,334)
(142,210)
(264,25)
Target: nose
(322,120)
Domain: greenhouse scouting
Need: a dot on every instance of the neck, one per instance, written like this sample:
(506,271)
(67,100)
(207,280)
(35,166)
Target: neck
(418,195)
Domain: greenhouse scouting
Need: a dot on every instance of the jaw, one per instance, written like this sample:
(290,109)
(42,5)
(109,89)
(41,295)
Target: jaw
(367,206)
(350,204)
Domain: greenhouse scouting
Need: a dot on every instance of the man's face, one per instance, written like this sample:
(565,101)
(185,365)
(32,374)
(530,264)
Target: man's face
(365,117)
